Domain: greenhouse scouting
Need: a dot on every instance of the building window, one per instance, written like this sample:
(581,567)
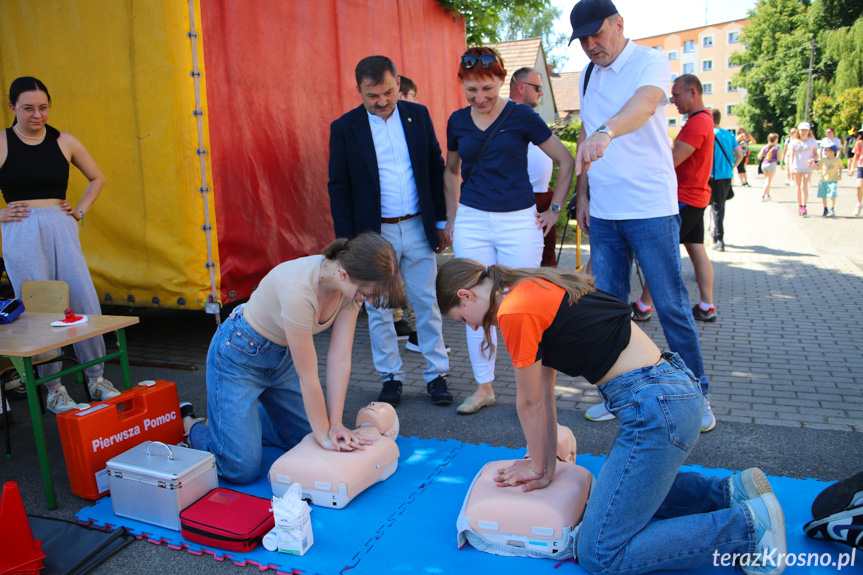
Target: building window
(708,87)
(731,64)
(729,87)
(689,68)
(672,55)
(707,65)
(673,77)
(707,42)
(672,122)
(729,110)
(734,37)
(689,46)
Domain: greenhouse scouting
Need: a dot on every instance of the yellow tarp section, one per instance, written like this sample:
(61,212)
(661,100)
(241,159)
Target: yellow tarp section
(120,79)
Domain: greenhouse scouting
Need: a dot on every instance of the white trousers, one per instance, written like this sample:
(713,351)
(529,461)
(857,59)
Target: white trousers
(507,238)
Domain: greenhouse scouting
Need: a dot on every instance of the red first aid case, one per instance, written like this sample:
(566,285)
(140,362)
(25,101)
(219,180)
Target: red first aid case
(227,519)
(91,437)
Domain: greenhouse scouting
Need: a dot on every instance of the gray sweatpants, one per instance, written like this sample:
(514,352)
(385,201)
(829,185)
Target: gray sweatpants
(45,246)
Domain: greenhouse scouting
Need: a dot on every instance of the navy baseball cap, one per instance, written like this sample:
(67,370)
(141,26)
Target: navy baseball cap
(587,17)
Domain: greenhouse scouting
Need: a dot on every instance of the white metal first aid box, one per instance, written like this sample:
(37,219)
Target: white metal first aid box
(153,482)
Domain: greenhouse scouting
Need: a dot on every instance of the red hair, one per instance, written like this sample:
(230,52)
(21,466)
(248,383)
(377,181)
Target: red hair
(478,71)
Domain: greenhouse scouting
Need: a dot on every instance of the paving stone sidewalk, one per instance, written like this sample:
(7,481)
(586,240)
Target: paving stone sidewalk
(787,348)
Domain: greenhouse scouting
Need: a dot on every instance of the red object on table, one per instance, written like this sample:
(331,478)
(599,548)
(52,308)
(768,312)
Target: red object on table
(70,316)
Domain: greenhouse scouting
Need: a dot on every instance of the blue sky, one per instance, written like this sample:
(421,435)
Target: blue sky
(643,18)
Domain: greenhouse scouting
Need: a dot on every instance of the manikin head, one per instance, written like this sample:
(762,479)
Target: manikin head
(381,416)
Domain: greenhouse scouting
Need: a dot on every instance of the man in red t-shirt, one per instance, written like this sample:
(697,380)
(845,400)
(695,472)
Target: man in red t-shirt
(693,160)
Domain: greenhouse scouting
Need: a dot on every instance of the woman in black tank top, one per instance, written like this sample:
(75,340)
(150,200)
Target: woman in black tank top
(40,234)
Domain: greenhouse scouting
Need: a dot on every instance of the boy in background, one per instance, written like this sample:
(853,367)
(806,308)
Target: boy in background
(831,172)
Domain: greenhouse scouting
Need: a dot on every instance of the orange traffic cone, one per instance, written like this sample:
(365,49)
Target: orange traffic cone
(19,552)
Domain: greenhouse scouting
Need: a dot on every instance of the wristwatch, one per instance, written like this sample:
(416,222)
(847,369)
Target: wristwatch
(603,129)
(555,208)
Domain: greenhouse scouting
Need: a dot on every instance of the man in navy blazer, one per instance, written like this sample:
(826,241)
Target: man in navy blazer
(386,176)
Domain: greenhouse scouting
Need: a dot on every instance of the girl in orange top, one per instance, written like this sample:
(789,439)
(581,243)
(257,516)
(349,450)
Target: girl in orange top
(554,321)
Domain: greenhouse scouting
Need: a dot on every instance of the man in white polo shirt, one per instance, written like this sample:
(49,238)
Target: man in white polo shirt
(626,187)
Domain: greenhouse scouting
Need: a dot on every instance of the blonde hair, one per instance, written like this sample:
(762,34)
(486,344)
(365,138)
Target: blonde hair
(372,264)
(462,273)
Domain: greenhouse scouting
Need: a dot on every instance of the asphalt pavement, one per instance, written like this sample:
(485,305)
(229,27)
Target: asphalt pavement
(785,359)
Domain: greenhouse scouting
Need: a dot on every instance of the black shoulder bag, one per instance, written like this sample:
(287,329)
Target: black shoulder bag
(502,119)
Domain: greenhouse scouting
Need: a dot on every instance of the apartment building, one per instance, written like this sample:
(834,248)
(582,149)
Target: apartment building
(705,52)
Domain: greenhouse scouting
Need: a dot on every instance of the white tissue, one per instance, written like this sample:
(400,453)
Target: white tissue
(293,525)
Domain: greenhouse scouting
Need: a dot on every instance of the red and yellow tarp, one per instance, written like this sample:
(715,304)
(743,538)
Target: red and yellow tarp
(273,75)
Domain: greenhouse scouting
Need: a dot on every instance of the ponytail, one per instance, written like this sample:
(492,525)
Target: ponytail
(462,273)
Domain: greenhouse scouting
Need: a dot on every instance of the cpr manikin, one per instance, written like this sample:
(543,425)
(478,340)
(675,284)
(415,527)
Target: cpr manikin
(333,478)
(538,523)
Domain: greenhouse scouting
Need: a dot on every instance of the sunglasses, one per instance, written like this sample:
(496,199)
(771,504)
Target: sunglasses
(468,61)
(537,87)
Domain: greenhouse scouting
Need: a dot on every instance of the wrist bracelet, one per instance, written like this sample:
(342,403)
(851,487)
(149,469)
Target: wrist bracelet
(80,211)
(538,475)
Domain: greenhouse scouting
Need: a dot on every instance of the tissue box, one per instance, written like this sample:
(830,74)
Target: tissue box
(295,541)
(293,532)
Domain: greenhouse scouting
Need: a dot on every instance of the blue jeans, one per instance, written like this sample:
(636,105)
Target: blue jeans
(418,266)
(655,243)
(639,516)
(253,396)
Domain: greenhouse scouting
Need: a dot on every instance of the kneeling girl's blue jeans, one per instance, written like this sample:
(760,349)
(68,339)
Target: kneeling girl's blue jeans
(253,395)
(623,530)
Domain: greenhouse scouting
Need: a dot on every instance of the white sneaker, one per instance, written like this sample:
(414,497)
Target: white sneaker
(771,546)
(599,413)
(708,420)
(413,344)
(857,209)
(59,401)
(102,389)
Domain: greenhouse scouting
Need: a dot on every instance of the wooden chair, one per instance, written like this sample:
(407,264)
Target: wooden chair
(45,296)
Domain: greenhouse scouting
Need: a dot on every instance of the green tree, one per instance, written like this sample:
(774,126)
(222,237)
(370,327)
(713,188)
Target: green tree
(850,110)
(825,110)
(775,65)
(845,46)
(483,19)
(536,22)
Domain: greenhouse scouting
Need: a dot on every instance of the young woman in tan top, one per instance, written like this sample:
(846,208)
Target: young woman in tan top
(262,368)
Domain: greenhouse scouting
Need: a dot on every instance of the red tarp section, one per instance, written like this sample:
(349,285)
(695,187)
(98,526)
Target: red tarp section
(278,73)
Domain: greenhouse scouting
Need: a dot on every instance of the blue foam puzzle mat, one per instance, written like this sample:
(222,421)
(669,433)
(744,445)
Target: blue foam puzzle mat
(407,523)
(335,548)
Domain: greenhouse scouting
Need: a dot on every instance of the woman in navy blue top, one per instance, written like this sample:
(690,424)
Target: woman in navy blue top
(491,212)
